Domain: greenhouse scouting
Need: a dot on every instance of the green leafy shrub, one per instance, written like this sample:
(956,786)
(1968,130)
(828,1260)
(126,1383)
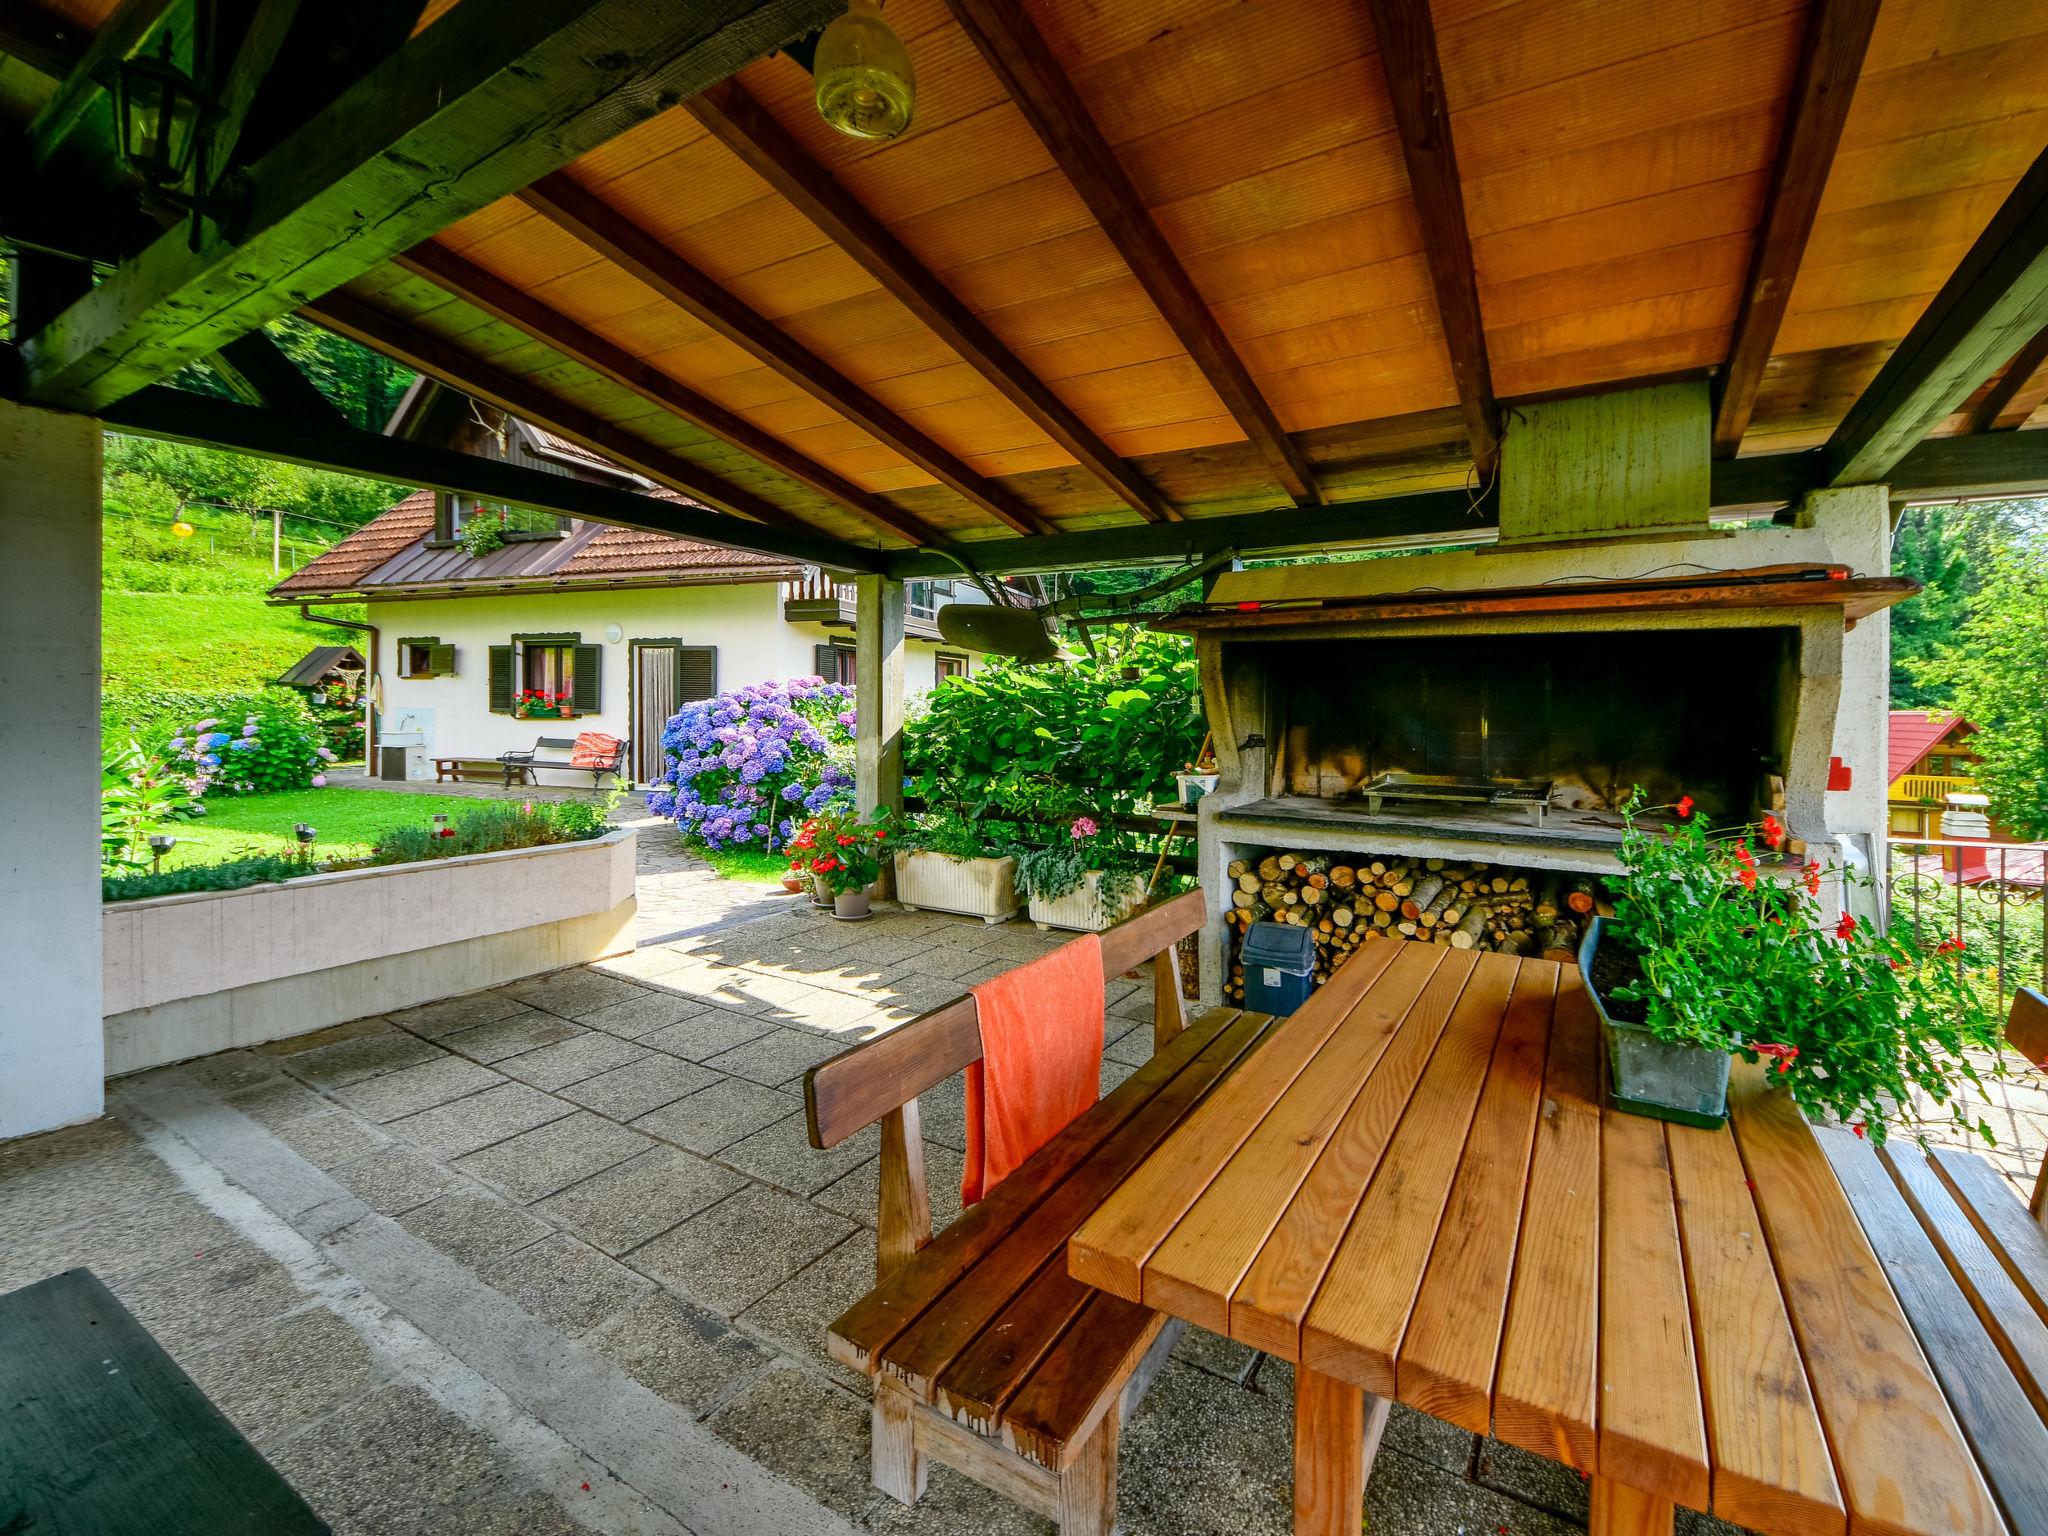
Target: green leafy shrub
(257,743)
(953,834)
(141,791)
(228,875)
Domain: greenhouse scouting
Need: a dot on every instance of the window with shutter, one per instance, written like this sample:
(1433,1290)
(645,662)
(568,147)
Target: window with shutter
(441,660)
(588,695)
(696,673)
(835,663)
(500,694)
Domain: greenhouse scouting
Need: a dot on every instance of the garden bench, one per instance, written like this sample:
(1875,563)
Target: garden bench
(1968,1261)
(519,766)
(462,770)
(983,1352)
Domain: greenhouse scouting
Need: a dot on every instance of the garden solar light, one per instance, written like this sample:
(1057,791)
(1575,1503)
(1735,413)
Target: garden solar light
(160,843)
(304,833)
(866,87)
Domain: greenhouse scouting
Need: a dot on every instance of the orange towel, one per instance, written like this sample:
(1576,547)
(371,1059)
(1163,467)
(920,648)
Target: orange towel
(594,749)
(1041,1060)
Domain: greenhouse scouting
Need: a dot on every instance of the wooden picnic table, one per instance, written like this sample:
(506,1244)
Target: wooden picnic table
(1414,1193)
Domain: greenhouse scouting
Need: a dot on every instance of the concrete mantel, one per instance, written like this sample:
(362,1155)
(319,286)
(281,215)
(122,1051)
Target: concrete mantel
(191,974)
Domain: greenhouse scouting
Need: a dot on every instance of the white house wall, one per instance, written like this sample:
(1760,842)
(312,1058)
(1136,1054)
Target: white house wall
(744,621)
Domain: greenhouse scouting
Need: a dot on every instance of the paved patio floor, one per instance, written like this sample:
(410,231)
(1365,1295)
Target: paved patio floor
(557,1257)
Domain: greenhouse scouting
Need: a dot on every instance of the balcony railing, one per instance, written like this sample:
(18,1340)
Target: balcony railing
(1931,787)
(817,598)
(1989,895)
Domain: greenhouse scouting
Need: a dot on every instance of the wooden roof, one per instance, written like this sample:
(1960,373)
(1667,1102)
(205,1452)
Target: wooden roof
(1180,259)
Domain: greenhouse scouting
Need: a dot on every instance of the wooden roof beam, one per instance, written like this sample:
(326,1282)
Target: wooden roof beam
(2012,384)
(745,127)
(259,373)
(1993,304)
(178,416)
(349,316)
(1407,44)
(615,237)
(474,107)
(1039,87)
(520,310)
(1837,36)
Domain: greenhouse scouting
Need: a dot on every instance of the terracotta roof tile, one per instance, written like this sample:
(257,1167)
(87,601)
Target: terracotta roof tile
(1912,733)
(342,566)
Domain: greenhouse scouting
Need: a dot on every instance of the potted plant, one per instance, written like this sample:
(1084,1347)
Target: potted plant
(1085,883)
(539,704)
(844,851)
(1720,945)
(946,862)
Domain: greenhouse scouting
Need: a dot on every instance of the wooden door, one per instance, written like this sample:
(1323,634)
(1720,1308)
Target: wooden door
(654,701)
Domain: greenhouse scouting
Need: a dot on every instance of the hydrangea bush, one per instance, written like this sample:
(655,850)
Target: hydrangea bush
(746,768)
(272,746)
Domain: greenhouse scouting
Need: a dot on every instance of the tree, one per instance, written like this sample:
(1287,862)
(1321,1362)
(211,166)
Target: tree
(1947,549)
(1995,675)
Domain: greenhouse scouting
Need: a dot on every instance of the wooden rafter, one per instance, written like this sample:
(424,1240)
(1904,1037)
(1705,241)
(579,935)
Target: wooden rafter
(351,317)
(2018,374)
(1992,305)
(475,106)
(260,374)
(254,56)
(181,417)
(1039,87)
(745,127)
(1837,36)
(41,39)
(589,219)
(1407,44)
(519,309)
(121,35)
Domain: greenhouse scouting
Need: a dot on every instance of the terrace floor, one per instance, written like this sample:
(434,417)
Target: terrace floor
(557,1257)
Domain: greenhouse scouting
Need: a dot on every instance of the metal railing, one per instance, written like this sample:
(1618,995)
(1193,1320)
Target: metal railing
(1931,787)
(922,601)
(1989,895)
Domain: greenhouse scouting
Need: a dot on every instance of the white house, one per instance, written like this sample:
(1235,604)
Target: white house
(627,625)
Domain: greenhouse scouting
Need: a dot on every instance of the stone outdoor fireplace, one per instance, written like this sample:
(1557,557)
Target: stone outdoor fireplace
(1498,704)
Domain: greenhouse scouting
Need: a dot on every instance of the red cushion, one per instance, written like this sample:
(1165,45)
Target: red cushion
(594,749)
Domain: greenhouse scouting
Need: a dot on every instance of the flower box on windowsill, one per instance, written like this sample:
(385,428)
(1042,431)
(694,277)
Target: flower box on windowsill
(546,712)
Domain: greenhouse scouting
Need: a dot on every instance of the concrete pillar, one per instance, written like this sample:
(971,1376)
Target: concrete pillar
(1856,520)
(878,693)
(52,1045)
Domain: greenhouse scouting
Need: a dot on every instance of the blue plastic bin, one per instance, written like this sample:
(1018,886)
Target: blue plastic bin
(1279,967)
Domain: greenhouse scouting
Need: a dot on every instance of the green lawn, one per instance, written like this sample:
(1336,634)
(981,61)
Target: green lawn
(748,864)
(348,820)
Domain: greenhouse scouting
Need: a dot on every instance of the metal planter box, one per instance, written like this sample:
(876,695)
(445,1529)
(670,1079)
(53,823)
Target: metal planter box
(983,888)
(1648,1076)
(1082,909)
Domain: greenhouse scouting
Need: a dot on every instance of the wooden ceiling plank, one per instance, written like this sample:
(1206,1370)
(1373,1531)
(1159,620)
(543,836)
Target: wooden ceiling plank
(177,416)
(46,42)
(512,305)
(472,108)
(348,316)
(587,217)
(768,148)
(1041,90)
(1993,304)
(123,34)
(1837,37)
(1407,42)
(2018,374)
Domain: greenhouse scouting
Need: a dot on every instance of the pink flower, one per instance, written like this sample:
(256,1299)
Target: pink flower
(1084,826)
(319,781)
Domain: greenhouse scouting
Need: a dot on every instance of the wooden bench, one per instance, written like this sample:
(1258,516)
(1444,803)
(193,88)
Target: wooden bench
(984,1353)
(518,766)
(466,770)
(1968,1261)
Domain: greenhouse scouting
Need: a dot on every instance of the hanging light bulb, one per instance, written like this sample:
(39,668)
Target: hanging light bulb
(866,86)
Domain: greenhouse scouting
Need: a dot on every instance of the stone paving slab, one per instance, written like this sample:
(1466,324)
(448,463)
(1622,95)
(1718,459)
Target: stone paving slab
(568,1284)
(527,1030)
(472,1226)
(639,1016)
(685,1352)
(733,1254)
(707,1032)
(777,1058)
(713,1118)
(434,1020)
(641,1086)
(782,1155)
(364,1056)
(471,1124)
(571,1061)
(536,1163)
(634,1201)
(393,1180)
(409,1090)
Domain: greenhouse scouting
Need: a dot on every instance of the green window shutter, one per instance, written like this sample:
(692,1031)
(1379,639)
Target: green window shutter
(696,673)
(501,680)
(441,660)
(589,696)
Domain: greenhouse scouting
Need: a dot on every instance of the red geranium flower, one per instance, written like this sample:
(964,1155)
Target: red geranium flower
(1950,946)
(1774,831)
(1783,1055)
(1747,876)
(1862,1132)
(1684,806)
(1846,927)
(1813,877)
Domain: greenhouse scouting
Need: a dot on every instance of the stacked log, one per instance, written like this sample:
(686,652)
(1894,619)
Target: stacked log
(1347,902)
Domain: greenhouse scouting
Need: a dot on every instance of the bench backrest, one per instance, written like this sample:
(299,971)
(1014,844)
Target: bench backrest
(2026,1031)
(568,744)
(857,1087)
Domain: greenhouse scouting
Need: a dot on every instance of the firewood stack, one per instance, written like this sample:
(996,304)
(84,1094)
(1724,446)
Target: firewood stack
(1348,902)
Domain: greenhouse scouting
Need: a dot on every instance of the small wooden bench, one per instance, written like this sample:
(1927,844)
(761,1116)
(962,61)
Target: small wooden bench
(519,766)
(466,770)
(1968,1261)
(985,1354)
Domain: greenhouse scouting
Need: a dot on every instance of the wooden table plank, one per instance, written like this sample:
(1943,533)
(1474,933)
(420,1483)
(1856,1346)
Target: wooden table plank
(924,1349)
(2000,1215)
(1453,1342)
(1771,1467)
(1544,1396)
(102,1435)
(1197,1265)
(1280,1274)
(1354,1326)
(2015,1327)
(1110,1250)
(2000,1423)
(1905,1470)
(858,1336)
(1653,1434)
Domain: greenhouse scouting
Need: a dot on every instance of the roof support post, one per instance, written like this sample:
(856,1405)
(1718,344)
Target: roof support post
(1857,522)
(52,1041)
(878,696)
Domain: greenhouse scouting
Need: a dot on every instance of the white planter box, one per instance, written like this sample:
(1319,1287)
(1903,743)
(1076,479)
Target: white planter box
(189,975)
(983,888)
(1081,909)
